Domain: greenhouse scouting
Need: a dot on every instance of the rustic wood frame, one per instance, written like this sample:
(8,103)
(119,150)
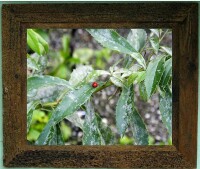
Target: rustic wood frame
(181,17)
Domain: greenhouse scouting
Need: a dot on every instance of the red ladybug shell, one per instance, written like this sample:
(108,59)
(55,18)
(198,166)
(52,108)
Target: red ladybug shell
(94,84)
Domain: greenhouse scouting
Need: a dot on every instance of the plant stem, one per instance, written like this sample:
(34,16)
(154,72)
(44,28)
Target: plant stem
(46,110)
(117,90)
(149,48)
(107,84)
(163,36)
(53,104)
(50,104)
(62,95)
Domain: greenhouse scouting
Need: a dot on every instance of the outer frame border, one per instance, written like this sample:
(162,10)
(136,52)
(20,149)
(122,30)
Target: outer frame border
(182,18)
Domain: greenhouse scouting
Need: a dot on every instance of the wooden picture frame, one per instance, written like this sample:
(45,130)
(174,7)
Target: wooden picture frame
(182,18)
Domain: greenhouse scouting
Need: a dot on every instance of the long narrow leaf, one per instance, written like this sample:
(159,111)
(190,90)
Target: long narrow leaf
(91,132)
(57,138)
(117,81)
(155,43)
(33,42)
(156,32)
(36,42)
(79,74)
(112,40)
(30,107)
(143,92)
(126,114)
(139,129)
(167,50)
(76,120)
(106,132)
(35,83)
(167,74)
(140,133)
(122,111)
(166,111)
(153,74)
(137,38)
(95,132)
(69,104)
(43,43)
(32,64)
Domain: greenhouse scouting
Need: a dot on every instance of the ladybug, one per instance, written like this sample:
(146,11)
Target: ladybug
(94,84)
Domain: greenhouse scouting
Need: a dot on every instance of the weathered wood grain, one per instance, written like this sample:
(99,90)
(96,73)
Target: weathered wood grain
(181,17)
(188,90)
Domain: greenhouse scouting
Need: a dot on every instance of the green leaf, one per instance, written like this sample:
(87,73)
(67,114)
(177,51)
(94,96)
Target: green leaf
(79,74)
(128,61)
(156,32)
(117,81)
(166,111)
(60,140)
(105,131)
(43,43)
(57,138)
(91,132)
(112,40)
(121,71)
(139,58)
(141,76)
(70,103)
(31,63)
(167,74)
(154,40)
(136,76)
(33,41)
(101,72)
(127,114)
(30,108)
(73,100)
(140,133)
(153,75)
(137,38)
(35,83)
(132,78)
(76,120)
(36,42)
(95,131)
(123,109)
(131,70)
(66,45)
(95,74)
(167,50)
(143,92)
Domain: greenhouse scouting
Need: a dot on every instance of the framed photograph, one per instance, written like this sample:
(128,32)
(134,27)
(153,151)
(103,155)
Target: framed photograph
(107,85)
